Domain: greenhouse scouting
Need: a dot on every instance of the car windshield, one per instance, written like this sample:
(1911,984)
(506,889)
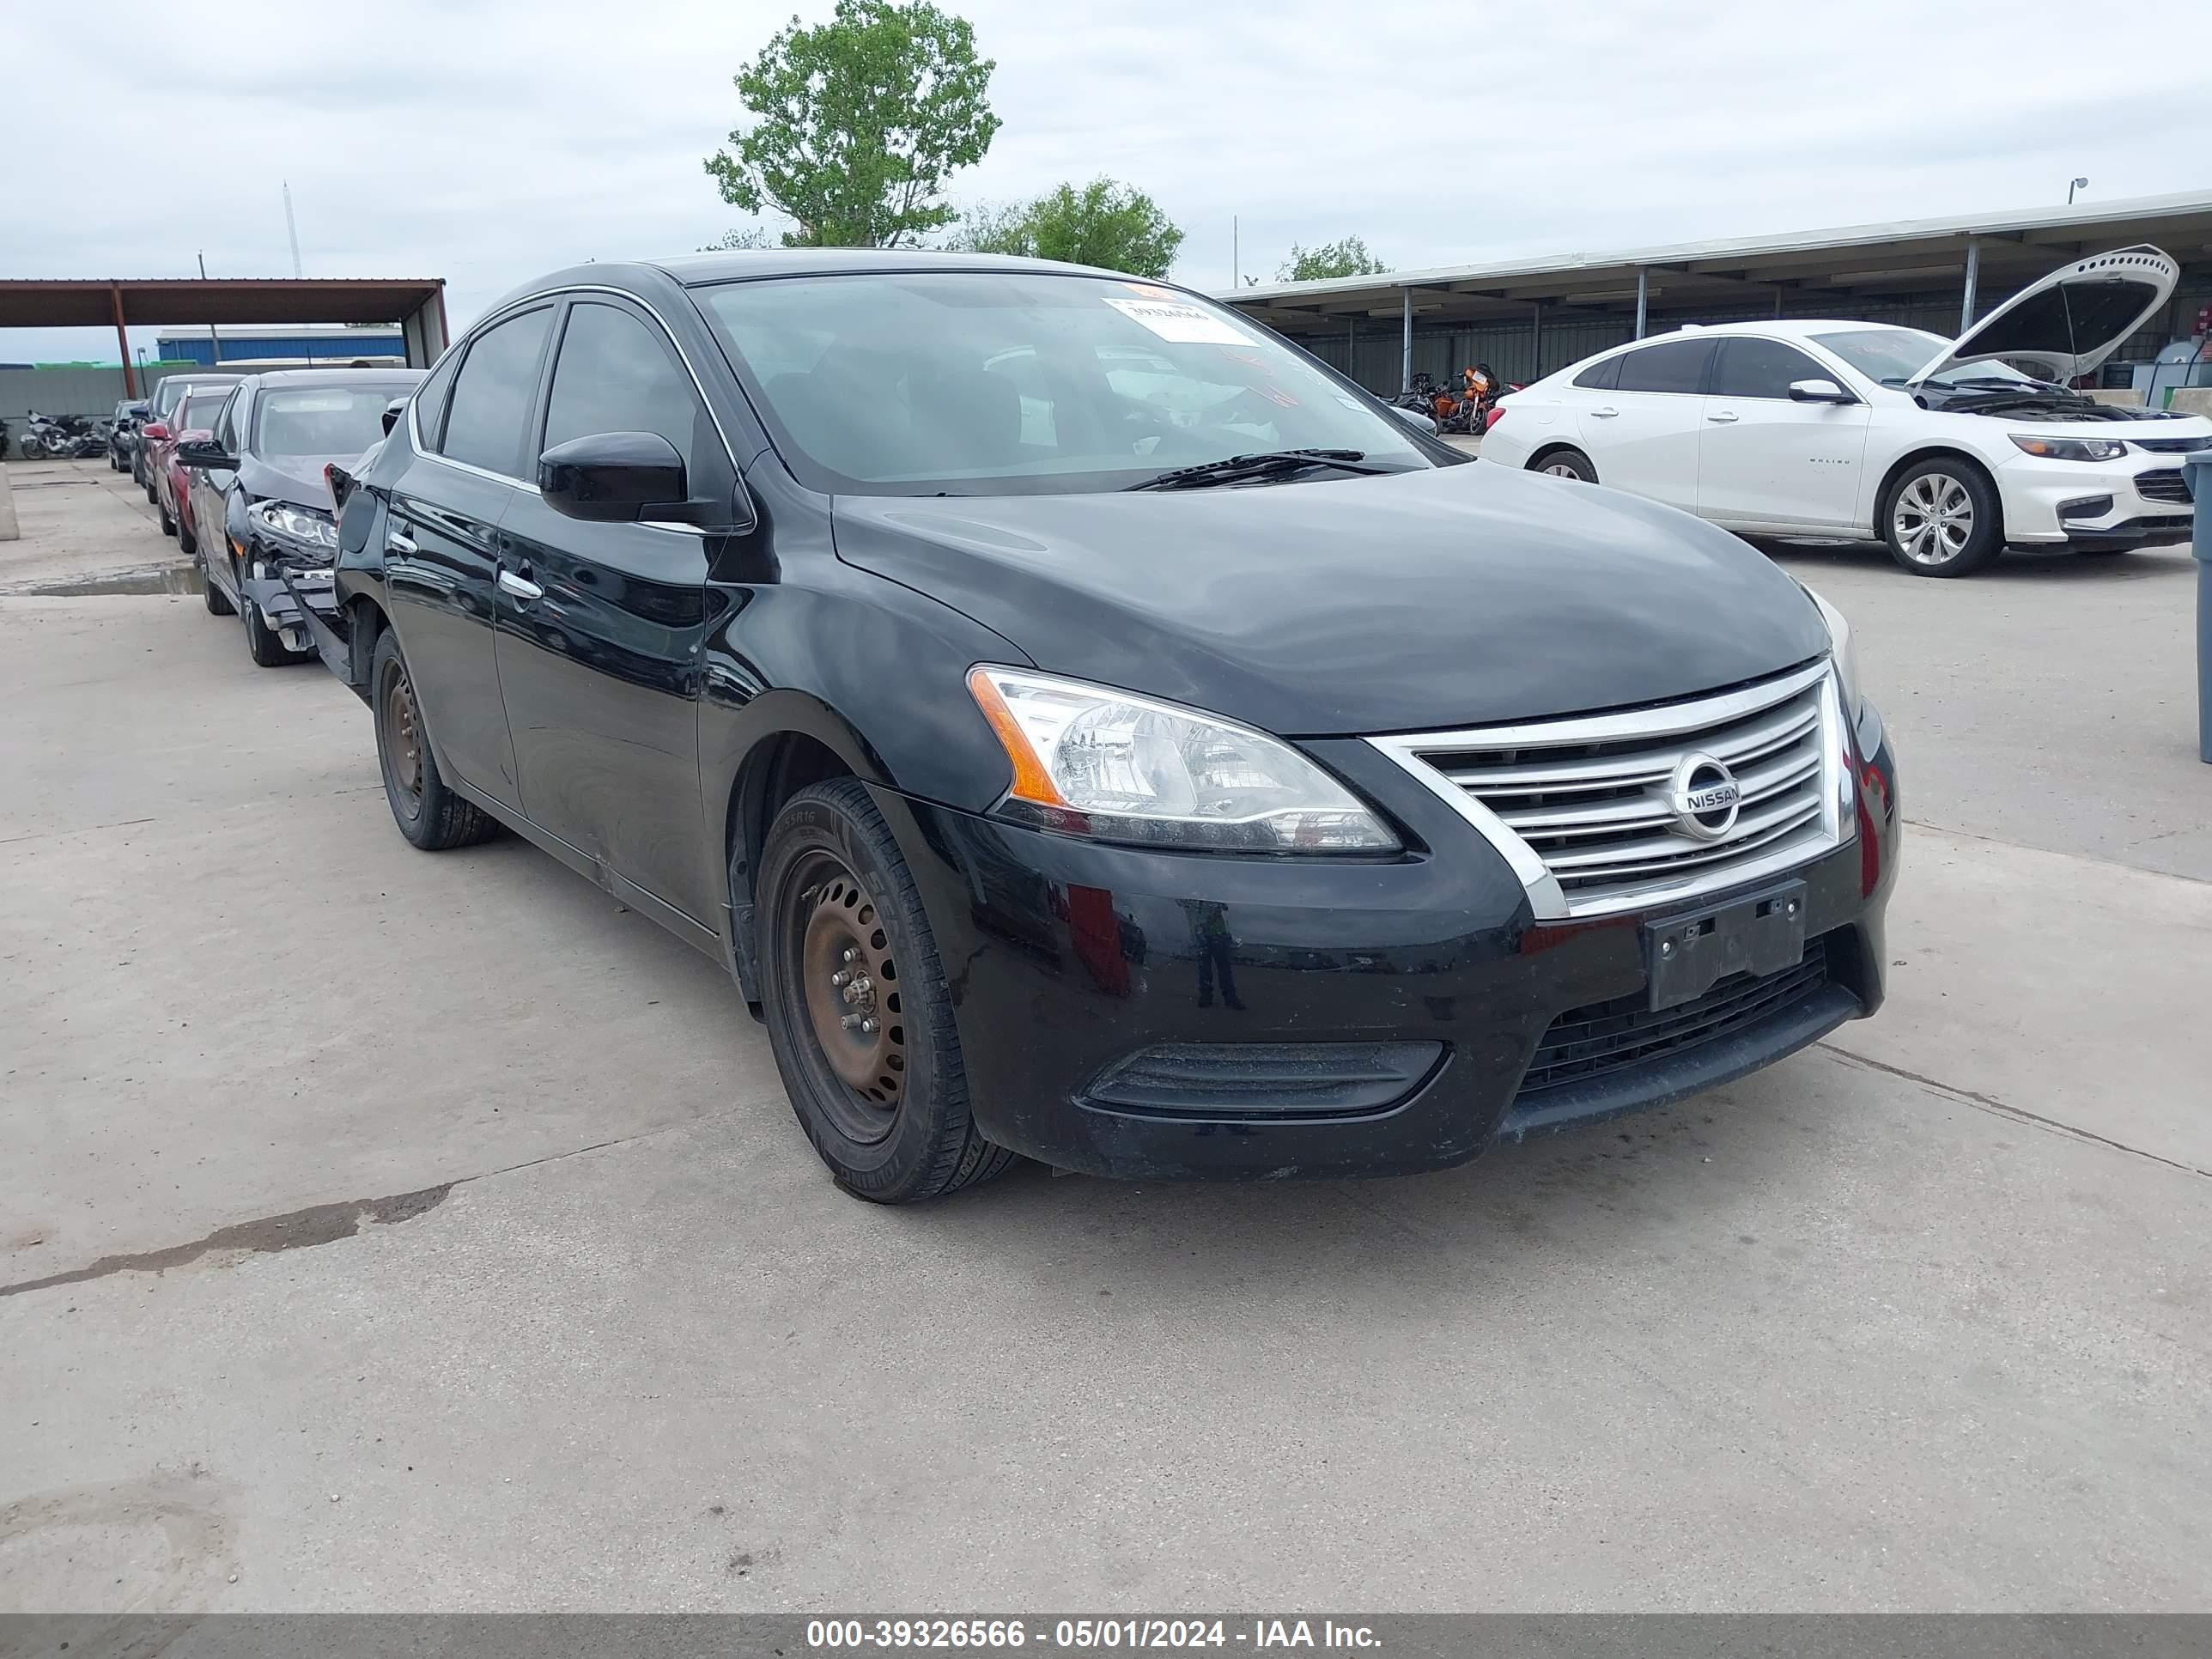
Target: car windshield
(1894,356)
(336,420)
(982,382)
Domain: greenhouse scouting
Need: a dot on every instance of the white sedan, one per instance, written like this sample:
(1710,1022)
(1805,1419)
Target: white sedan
(1862,429)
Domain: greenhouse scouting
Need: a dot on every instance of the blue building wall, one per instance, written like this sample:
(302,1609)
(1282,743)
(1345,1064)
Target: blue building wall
(366,343)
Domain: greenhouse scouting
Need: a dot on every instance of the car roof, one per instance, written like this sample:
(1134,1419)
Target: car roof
(1785,328)
(702,270)
(397,374)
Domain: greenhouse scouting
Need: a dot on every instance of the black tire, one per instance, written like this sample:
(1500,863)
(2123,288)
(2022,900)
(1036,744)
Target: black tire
(185,540)
(168,524)
(217,602)
(1942,518)
(263,643)
(830,864)
(429,813)
(1565,463)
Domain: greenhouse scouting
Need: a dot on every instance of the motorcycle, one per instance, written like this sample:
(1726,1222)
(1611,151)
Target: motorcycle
(62,437)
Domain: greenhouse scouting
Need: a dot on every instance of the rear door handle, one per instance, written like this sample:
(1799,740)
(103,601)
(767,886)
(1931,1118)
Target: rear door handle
(1604,413)
(521,587)
(1723,417)
(399,541)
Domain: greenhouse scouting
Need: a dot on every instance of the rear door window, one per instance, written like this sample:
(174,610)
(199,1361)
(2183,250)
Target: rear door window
(1670,366)
(494,394)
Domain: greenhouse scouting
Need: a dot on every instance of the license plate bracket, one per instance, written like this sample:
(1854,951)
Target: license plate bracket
(1684,956)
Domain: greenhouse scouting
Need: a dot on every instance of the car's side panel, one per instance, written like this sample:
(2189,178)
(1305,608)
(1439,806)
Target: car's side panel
(1769,459)
(440,561)
(599,673)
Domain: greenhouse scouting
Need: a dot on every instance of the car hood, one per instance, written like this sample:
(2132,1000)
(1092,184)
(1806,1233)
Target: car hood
(2069,323)
(297,479)
(1455,597)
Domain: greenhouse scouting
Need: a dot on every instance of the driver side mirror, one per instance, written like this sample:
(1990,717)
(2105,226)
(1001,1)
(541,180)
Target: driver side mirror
(392,412)
(208,453)
(1414,418)
(155,430)
(1819,391)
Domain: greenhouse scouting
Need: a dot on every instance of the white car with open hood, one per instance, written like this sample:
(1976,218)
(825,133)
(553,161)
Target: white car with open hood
(1947,450)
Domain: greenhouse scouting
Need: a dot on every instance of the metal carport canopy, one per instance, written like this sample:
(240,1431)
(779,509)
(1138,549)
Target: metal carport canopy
(2005,250)
(416,304)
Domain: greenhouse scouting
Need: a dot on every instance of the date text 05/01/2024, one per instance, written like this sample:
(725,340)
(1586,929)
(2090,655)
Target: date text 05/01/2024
(1086,1634)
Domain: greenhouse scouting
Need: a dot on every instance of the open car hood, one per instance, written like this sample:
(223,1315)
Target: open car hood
(2069,323)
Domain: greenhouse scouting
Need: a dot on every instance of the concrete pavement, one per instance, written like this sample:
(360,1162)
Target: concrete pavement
(400,1231)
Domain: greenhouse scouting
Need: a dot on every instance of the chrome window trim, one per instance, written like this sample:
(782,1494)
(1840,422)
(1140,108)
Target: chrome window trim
(1546,899)
(526,302)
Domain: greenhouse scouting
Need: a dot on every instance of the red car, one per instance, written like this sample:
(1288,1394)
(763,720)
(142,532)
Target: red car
(193,418)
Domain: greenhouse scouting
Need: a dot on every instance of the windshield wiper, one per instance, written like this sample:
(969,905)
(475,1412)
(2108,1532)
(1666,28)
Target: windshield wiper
(1262,465)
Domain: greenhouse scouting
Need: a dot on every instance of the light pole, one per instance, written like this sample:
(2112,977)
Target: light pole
(2079,184)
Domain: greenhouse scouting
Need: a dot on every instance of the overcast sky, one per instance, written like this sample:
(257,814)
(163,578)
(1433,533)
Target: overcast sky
(488,142)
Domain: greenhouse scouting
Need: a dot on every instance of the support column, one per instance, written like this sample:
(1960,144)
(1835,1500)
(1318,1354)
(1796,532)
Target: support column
(1973,276)
(1351,346)
(1643,296)
(1405,348)
(1536,339)
(122,342)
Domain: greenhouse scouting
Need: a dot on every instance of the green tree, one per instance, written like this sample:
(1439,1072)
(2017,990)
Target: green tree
(858,123)
(1105,223)
(1348,258)
(752,236)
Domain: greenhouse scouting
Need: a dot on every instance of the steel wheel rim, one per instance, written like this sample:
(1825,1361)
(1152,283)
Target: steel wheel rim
(847,979)
(1933,519)
(402,738)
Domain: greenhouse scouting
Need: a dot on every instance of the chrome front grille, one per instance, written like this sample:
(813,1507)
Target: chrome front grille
(1599,813)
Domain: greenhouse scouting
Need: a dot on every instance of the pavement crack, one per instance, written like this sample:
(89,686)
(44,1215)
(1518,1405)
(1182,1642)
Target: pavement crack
(322,1223)
(2004,1109)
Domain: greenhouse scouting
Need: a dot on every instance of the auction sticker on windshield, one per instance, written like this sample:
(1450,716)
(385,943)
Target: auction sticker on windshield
(1178,321)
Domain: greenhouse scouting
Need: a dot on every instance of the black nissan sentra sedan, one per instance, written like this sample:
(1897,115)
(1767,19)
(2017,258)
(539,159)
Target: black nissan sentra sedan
(1087,728)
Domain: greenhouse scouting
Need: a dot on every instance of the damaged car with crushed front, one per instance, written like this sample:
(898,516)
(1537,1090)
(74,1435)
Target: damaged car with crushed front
(1088,728)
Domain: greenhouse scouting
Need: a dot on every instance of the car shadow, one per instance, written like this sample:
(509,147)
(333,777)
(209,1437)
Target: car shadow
(2165,560)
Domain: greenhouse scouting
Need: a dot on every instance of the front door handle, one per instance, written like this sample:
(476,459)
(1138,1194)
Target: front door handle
(1722,416)
(521,587)
(1604,413)
(399,541)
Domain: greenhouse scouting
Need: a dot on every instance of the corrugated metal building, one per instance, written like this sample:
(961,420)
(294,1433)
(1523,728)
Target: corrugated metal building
(205,347)
(1529,318)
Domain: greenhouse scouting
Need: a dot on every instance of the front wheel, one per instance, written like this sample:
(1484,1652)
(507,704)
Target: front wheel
(1568,463)
(263,643)
(217,602)
(427,812)
(857,1011)
(1942,519)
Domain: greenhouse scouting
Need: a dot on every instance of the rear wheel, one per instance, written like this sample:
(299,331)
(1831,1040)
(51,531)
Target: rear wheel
(857,1008)
(1942,519)
(427,812)
(168,524)
(1566,464)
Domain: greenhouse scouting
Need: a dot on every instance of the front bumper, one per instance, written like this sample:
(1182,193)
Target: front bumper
(2136,499)
(1066,958)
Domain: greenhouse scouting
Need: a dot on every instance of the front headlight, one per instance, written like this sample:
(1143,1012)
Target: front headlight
(1841,652)
(1091,761)
(2068,449)
(295,525)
